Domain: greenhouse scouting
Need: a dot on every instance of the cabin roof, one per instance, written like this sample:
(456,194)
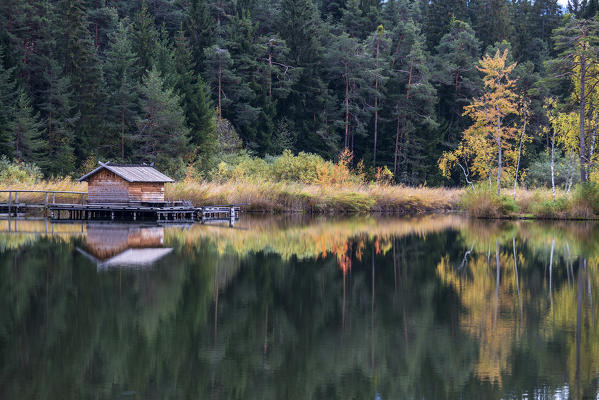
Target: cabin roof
(131,173)
(130,258)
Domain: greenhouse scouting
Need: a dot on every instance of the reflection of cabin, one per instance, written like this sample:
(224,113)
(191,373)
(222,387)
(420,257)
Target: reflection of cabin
(112,183)
(111,245)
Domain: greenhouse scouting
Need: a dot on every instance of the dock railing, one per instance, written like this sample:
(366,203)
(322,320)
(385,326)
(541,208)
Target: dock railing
(20,198)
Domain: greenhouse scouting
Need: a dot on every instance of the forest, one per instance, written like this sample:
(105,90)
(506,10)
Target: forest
(439,92)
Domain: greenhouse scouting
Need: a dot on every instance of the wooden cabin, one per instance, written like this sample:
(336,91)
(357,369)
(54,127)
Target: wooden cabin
(117,184)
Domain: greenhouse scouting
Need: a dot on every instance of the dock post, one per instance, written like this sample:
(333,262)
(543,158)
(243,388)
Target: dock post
(112,215)
(134,216)
(9,202)
(53,197)
(232,217)
(82,198)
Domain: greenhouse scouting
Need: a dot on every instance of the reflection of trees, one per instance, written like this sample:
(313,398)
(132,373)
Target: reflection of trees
(367,307)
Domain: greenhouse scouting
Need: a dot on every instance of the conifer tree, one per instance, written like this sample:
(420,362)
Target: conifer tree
(162,135)
(120,70)
(455,73)
(413,98)
(578,44)
(164,58)
(25,130)
(144,38)
(78,58)
(60,121)
(195,99)
(378,45)
(200,26)
(440,16)
(349,60)
(7,99)
(308,106)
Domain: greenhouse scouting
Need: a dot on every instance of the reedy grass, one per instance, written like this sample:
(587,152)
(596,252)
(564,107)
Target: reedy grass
(278,197)
(295,197)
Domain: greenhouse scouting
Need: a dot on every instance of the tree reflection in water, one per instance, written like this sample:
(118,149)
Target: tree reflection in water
(436,307)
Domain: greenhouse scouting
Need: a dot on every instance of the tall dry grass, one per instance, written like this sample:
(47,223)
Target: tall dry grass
(62,184)
(280,197)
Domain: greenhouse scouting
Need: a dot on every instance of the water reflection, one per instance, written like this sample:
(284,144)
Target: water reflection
(437,307)
(124,245)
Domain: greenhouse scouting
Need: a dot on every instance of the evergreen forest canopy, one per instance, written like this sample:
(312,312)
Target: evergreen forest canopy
(440,91)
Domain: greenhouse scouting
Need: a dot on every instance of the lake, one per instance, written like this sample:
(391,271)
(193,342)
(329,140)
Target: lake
(438,307)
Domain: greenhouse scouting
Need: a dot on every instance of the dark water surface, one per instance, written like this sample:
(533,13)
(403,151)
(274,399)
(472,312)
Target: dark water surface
(429,308)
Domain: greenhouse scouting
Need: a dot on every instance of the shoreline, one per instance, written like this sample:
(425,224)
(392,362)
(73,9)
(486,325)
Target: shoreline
(292,198)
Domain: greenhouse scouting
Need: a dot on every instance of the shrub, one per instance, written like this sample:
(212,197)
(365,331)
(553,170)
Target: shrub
(549,208)
(304,168)
(17,172)
(584,201)
(483,201)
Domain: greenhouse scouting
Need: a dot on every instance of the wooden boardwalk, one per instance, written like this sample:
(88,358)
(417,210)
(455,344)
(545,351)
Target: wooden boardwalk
(169,211)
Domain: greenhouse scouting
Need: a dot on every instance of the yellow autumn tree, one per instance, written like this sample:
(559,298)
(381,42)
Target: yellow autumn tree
(489,140)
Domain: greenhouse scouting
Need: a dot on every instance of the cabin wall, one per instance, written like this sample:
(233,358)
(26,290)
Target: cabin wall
(107,187)
(146,192)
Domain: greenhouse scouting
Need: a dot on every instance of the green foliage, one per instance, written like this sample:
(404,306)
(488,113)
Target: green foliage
(162,135)
(306,75)
(18,172)
(304,168)
(482,201)
(538,173)
(584,201)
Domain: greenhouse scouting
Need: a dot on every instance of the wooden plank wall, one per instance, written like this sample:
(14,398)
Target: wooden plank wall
(146,192)
(107,187)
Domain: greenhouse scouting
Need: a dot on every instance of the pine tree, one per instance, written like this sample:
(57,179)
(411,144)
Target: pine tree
(195,99)
(456,75)
(60,123)
(491,20)
(164,58)
(162,135)
(378,45)
(413,98)
(308,106)
(78,57)
(348,59)
(120,70)
(440,16)
(353,20)
(25,130)
(144,38)
(7,99)
(218,64)
(103,20)
(199,25)
(578,44)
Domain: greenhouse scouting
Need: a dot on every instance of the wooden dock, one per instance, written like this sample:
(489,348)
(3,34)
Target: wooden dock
(168,211)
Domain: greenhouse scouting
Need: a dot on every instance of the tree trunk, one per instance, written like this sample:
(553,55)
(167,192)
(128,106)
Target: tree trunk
(220,73)
(499,156)
(396,146)
(553,164)
(376,102)
(519,156)
(269,75)
(582,152)
(123,134)
(346,145)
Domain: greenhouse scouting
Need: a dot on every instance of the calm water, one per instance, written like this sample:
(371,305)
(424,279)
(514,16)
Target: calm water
(360,308)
